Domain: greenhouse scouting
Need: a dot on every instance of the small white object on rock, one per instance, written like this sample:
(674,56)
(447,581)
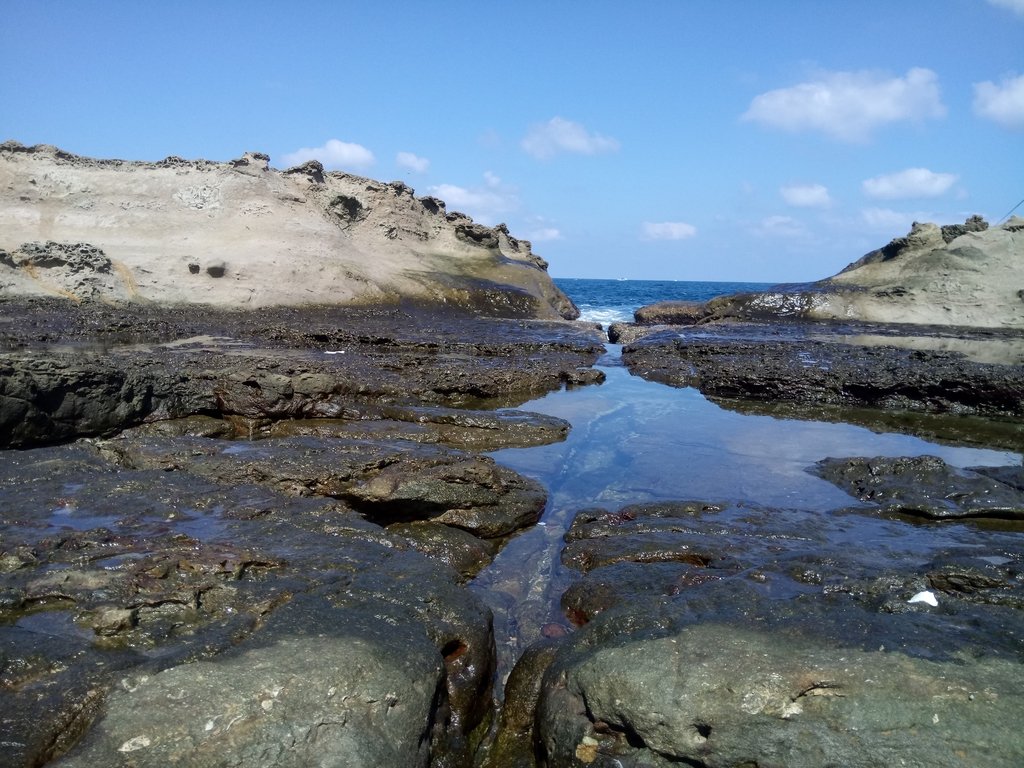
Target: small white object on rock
(925,597)
(138,742)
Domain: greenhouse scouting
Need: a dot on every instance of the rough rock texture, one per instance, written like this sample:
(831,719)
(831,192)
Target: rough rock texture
(371,702)
(241,234)
(892,367)
(386,481)
(732,635)
(121,585)
(926,486)
(75,370)
(723,697)
(962,275)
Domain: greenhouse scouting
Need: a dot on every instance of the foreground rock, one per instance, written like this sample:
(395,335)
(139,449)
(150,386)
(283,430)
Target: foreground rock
(223,573)
(241,234)
(729,635)
(926,486)
(159,556)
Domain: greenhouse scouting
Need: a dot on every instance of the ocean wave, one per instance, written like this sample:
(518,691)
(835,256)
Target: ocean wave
(606,315)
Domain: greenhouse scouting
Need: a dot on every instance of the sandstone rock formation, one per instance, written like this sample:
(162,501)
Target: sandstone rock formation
(960,275)
(241,234)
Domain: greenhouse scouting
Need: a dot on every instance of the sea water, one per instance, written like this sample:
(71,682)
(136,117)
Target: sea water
(614,301)
(635,441)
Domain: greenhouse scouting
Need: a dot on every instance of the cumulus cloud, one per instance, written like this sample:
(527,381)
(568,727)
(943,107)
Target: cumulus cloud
(485,202)
(667,230)
(892,222)
(1003,103)
(412,162)
(780,226)
(543,235)
(557,135)
(849,106)
(1017,6)
(913,182)
(334,154)
(806,195)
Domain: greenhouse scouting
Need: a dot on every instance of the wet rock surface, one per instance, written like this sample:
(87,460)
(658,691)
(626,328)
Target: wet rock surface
(822,364)
(116,573)
(252,496)
(926,486)
(68,371)
(253,544)
(731,634)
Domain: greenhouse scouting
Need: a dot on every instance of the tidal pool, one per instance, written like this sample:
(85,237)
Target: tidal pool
(637,441)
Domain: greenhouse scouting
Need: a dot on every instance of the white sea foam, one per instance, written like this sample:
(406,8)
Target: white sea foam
(606,315)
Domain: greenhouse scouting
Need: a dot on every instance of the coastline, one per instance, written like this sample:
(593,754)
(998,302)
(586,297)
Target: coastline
(242,481)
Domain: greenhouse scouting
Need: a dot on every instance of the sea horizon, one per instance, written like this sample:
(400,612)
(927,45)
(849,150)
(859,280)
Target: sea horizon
(614,300)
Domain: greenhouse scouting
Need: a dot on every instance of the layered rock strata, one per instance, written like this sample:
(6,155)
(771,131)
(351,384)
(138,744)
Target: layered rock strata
(242,234)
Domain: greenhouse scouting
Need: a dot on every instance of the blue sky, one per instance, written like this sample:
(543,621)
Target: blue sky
(762,141)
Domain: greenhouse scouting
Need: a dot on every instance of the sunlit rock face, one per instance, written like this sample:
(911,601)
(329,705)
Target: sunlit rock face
(242,234)
(967,274)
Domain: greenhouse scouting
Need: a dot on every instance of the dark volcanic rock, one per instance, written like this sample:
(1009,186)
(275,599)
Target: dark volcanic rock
(926,486)
(737,635)
(69,371)
(834,365)
(121,584)
(671,313)
(386,481)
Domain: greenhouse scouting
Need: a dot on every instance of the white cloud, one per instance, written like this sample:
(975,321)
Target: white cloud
(892,222)
(849,105)
(412,162)
(806,195)
(334,155)
(1017,6)
(667,230)
(780,226)
(544,235)
(485,203)
(913,182)
(1003,103)
(545,140)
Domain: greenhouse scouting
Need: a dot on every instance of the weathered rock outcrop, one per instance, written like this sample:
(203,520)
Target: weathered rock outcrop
(817,364)
(969,275)
(75,370)
(241,234)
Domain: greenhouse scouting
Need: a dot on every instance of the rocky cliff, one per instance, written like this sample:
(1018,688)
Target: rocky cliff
(958,275)
(241,234)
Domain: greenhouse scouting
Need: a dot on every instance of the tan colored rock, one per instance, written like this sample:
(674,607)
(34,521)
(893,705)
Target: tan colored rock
(242,234)
(968,275)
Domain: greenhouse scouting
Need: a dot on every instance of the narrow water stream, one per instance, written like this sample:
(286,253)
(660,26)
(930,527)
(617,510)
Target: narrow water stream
(635,441)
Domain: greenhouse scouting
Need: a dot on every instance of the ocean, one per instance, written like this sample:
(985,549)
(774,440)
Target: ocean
(614,301)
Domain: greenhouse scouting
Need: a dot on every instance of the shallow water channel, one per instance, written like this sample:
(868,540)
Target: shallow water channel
(637,441)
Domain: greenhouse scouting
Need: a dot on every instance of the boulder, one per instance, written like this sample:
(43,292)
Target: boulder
(370,702)
(671,313)
(718,695)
